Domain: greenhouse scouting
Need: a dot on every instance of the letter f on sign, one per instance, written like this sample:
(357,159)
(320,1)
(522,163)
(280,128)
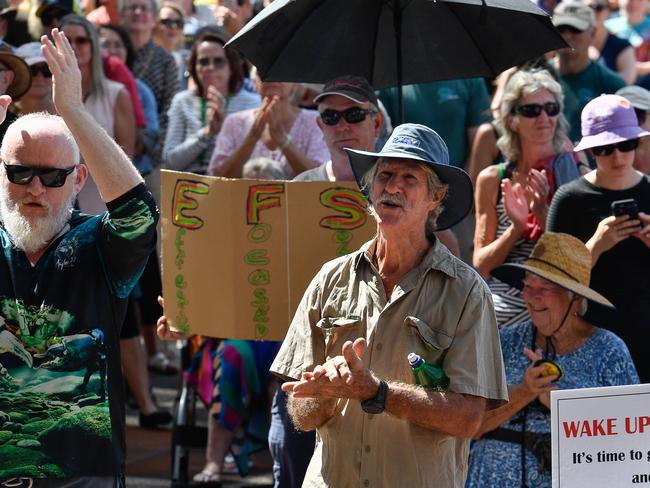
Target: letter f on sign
(259,199)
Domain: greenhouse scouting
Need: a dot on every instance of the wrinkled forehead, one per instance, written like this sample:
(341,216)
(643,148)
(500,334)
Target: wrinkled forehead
(38,146)
(402,164)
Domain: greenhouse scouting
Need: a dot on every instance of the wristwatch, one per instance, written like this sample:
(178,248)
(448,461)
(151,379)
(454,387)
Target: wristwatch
(377,403)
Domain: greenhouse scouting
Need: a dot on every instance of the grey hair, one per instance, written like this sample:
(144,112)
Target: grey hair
(36,119)
(155,7)
(263,169)
(521,84)
(582,308)
(98,82)
(434,185)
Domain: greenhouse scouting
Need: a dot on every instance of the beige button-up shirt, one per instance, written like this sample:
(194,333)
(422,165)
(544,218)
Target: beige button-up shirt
(441,310)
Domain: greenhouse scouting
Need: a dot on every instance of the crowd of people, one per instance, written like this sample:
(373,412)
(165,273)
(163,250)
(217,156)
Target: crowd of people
(513,226)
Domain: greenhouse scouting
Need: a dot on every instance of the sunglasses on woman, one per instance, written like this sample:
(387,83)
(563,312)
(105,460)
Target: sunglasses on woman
(79,40)
(50,177)
(178,23)
(216,62)
(42,69)
(623,146)
(353,115)
(532,110)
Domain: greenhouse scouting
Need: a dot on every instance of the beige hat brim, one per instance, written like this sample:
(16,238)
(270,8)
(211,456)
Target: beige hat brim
(513,274)
(22,75)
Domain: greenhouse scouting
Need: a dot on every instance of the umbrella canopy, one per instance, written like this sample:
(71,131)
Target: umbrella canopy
(317,40)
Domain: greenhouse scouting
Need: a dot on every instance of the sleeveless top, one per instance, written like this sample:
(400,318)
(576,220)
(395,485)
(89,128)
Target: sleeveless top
(102,108)
(508,301)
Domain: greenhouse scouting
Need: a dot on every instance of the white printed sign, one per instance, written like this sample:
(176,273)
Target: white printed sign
(601,437)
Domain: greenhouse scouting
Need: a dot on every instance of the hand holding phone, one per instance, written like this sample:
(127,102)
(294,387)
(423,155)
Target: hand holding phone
(625,207)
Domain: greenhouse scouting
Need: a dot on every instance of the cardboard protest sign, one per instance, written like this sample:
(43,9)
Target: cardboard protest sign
(601,437)
(238,254)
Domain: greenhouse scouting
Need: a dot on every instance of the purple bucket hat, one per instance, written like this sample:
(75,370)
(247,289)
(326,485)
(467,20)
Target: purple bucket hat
(608,119)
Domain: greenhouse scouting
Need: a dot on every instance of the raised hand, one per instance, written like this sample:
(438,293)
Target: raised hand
(343,376)
(66,77)
(262,117)
(536,190)
(215,110)
(515,203)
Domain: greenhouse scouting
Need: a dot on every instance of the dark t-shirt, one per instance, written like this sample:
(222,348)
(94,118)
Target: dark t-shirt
(621,274)
(614,45)
(61,389)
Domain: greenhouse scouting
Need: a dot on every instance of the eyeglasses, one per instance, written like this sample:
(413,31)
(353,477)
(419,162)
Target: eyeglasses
(568,28)
(50,177)
(41,68)
(216,62)
(532,110)
(145,9)
(111,45)
(623,146)
(171,23)
(352,115)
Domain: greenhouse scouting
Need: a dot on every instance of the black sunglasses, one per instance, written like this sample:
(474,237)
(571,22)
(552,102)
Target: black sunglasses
(42,69)
(532,110)
(352,115)
(216,62)
(623,146)
(598,7)
(178,23)
(50,177)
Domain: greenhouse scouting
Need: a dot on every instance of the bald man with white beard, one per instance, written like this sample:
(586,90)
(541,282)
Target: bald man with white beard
(64,282)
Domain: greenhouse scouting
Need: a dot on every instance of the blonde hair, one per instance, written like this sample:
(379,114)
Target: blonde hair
(521,84)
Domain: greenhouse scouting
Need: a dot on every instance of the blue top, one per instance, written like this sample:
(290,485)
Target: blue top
(603,360)
(150,132)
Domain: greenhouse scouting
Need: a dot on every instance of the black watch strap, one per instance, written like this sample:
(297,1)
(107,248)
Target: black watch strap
(376,404)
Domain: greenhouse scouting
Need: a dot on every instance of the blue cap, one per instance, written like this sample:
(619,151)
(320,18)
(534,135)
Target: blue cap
(420,143)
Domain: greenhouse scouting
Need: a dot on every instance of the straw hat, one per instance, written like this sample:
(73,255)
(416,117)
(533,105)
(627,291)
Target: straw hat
(559,258)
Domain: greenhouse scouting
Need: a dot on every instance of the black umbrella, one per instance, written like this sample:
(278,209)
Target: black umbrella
(394,42)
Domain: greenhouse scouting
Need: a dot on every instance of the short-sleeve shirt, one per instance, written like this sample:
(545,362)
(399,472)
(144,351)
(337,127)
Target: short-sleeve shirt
(61,387)
(590,83)
(441,310)
(449,107)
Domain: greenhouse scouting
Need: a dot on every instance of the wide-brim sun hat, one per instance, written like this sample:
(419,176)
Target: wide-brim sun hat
(419,143)
(608,119)
(22,76)
(559,258)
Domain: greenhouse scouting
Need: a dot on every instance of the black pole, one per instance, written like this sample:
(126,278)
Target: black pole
(397,25)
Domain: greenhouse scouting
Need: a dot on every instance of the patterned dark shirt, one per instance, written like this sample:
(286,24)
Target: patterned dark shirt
(61,386)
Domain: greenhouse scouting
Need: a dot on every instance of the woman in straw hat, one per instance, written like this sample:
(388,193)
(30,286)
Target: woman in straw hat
(619,245)
(514,448)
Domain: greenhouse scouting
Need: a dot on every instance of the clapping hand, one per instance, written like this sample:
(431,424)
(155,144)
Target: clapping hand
(515,203)
(66,77)
(536,192)
(215,110)
(343,376)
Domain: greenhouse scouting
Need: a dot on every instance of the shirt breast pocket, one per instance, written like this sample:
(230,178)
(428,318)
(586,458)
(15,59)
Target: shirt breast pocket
(337,330)
(430,343)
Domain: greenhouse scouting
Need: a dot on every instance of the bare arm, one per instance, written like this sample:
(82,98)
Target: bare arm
(471,137)
(490,251)
(125,129)
(484,150)
(626,65)
(310,413)
(346,376)
(110,167)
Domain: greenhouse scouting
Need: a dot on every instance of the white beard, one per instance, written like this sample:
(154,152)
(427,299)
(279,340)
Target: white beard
(32,235)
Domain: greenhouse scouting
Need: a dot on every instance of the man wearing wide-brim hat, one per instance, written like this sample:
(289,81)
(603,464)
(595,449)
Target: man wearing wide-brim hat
(345,354)
(15,80)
